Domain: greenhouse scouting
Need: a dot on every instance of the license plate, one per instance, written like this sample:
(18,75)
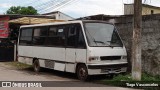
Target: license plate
(111,71)
(107,70)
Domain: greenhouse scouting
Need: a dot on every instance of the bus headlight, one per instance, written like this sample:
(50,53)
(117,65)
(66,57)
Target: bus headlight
(93,58)
(124,57)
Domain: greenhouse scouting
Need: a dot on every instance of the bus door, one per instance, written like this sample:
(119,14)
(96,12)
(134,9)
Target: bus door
(73,46)
(81,50)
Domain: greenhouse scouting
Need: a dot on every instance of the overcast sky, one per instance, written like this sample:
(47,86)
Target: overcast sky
(77,8)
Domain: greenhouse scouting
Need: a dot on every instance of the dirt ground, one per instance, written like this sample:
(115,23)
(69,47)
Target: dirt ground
(9,73)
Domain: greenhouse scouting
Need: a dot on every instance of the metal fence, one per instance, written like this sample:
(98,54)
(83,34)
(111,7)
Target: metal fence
(6,51)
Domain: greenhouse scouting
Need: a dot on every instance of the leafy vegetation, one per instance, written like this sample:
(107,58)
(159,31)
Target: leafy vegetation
(22,10)
(145,77)
(121,81)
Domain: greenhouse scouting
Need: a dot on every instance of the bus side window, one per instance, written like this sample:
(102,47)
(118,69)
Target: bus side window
(26,36)
(81,41)
(71,37)
(40,35)
(56,36)
(61,36)
(52,31)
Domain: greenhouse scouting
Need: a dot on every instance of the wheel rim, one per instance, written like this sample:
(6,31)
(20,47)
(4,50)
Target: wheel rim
(82,73)
(36,66)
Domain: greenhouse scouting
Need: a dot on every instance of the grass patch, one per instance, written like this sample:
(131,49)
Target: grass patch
(18,65)
(121,80)
(127,77)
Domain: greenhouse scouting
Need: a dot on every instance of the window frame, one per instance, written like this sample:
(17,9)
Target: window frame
(77,36)
(85,44)
(65,35)
(21,29)
(34,28)
(84,22)
(57,27)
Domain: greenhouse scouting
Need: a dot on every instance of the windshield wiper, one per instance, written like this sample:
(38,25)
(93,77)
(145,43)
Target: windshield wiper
(109,44)
(103,43)
(99,42)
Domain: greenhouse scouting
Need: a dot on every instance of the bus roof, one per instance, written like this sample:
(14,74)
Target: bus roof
(65,22)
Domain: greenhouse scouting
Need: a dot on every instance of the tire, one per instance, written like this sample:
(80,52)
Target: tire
(36,66)
(82,72)
(111,76)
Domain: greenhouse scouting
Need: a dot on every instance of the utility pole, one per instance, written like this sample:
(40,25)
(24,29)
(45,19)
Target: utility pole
(136,42)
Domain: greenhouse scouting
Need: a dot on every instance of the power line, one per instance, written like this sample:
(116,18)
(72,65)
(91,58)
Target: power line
(69,3)
(56,5)
(50,4)
(21,3)
(31,3)
(46,4)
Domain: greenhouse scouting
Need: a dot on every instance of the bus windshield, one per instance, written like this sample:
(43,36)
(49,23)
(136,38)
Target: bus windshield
(102,35)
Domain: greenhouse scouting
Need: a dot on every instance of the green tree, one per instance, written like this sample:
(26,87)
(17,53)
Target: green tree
(22,10)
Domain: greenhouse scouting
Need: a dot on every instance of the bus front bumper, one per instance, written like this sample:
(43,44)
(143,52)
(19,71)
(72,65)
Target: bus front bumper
(94,69)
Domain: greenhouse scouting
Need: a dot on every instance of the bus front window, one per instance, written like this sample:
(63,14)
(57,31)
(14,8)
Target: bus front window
(102,35)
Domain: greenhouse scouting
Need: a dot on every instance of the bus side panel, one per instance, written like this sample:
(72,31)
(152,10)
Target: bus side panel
(70,55)
(59,66)
(81,55)
(21,59)
(25,60)
(45,55)
(51,53)
(24,54)
(70,59)
(42,62)
(25,51)
(75,56)
(70,67)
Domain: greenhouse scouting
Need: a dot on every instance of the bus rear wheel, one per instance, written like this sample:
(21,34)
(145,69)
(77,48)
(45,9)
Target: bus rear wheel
(36,66)
(82,72)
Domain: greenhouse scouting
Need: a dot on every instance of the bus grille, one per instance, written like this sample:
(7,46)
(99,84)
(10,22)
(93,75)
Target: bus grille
(110,57)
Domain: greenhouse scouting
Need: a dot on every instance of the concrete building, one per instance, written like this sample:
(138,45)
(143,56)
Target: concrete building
(59,15)
(146,9)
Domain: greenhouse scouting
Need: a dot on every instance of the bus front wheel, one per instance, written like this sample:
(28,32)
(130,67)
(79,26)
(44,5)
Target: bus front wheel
(36,66)
(82,72)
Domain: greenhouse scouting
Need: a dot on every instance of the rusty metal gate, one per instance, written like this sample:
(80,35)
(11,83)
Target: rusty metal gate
(6,51)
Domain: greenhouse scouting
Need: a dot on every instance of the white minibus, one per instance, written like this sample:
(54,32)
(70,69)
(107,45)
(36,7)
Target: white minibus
(84,47)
